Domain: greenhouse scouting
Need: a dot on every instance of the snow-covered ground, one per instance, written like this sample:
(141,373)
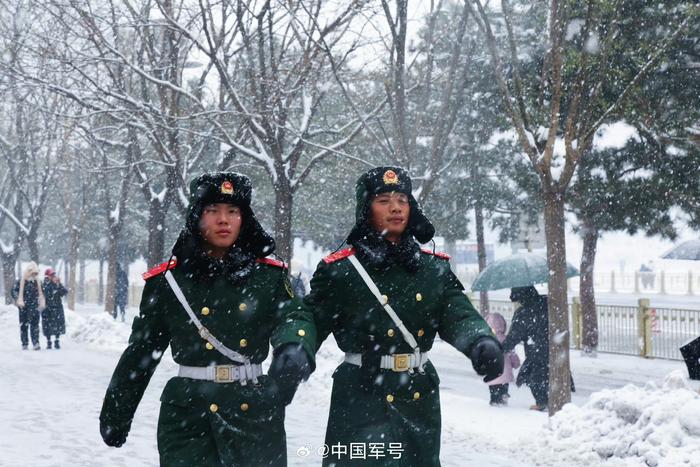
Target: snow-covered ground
(627,412)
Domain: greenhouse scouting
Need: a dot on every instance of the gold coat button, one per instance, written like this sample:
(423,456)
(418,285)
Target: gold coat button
(205,311)
(213,408)
(416,396)
(389,398)
(419,297)
(243,342)
(301,333)
(385,299)
(209,346)
(390,333)
(244,407)
(243,307)
(421,333)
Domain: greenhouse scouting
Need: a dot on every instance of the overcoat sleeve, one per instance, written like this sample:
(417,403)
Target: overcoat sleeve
(322,302)
(149,339)
(15,290)
(517,333)
(460,324)
(295,322)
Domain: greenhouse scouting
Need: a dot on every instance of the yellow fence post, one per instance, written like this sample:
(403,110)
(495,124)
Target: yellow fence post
(578,322)
(644,327)
(636,282)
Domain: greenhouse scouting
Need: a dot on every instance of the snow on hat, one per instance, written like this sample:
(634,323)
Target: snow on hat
(232,188)
(382,180)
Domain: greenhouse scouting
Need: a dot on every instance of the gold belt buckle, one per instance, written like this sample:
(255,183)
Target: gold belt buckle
(402,362)
(222,374)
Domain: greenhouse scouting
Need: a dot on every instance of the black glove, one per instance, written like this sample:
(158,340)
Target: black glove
(487,358)
(290,366)
(112,435)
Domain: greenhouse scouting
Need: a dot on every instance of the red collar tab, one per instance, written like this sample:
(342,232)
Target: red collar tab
(338,255)
(159,269)
(272,262)
(437,253)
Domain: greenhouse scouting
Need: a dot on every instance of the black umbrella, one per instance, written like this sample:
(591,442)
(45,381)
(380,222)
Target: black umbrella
(691,355)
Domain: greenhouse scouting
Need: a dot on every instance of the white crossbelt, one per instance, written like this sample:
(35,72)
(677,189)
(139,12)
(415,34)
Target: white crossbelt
(204,332)
(222,373)
(395,362)
(399,360)
(408,337)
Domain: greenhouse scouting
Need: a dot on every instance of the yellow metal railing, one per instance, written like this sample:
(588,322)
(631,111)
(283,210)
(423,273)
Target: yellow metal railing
(641,330)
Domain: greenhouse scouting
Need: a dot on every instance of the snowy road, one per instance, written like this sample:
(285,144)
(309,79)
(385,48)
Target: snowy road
(50,401)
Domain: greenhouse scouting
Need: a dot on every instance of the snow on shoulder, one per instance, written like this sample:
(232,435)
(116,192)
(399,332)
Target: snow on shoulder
(633,425)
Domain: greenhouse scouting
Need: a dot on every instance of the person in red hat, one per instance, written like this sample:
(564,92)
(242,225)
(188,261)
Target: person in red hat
(53,320)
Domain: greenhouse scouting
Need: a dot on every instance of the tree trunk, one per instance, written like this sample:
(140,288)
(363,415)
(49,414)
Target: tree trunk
(589,316)
(112,257)
(481,253)
(9,261)
(559,370)
(72,264)
(32,246)
(156,233)
(115,215)
(101,283)
(81,282)
(283,220)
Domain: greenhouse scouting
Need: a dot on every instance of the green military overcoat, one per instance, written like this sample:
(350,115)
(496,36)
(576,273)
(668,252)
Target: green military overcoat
(398,410)
(205,423)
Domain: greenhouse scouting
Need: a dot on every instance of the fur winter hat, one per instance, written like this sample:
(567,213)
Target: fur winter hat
(232,188)
(383,180)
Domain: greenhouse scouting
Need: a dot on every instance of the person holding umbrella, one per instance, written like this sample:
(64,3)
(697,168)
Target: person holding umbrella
(530,324)
(530,327)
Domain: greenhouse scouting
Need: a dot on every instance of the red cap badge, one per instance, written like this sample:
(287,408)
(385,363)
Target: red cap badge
(390,178)
(227,188)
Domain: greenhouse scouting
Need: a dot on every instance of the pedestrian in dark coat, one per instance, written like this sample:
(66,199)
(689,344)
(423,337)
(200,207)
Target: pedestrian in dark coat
(385,399)
(53,319)
(121,293)
(30,301)
(530,326)
(220,305)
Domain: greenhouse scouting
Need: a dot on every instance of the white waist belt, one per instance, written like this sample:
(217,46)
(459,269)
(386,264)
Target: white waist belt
(223,373)
(395,362)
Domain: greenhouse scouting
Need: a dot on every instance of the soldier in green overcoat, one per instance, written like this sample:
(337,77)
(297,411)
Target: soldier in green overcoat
(218,303)
(385,406)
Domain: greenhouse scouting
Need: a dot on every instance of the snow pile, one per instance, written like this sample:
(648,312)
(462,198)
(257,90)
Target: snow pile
(97,330)
(633,425)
